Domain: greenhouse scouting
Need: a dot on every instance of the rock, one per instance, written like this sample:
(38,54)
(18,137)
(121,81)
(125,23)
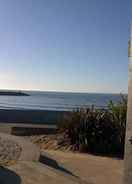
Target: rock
(9,151)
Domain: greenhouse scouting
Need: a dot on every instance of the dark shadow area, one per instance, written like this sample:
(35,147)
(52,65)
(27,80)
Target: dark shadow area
(52,163)
(8,177)
(23,131)
(113,156)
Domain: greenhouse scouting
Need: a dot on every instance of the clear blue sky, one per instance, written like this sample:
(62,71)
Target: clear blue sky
(64,45)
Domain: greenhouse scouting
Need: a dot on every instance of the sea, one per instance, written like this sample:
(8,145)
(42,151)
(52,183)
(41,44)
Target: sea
(58,101)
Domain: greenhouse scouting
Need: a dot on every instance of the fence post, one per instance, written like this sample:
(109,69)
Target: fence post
(128,139)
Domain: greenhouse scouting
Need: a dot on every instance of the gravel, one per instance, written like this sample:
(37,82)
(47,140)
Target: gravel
(51,142)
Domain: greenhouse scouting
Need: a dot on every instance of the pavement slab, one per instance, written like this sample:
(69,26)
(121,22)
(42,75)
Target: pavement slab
(90,168)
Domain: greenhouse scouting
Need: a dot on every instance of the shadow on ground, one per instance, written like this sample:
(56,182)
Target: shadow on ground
(8,177)
(52,163)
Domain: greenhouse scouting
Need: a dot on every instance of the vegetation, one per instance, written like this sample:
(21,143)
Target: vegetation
(99,131)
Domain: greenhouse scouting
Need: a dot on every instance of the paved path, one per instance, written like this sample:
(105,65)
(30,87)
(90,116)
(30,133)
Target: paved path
(28,169)
(34,172)
(58,167)
(94,169)
(68,168)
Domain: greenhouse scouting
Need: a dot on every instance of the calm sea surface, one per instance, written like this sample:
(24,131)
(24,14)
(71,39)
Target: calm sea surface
(55,100)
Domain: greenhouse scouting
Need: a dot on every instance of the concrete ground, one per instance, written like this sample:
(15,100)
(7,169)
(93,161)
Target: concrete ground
(94,169)
(58,167)
(37,173)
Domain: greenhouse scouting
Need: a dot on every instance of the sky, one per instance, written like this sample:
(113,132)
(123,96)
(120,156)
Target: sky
(65,45)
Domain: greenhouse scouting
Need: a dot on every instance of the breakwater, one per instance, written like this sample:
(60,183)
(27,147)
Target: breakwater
(13,93)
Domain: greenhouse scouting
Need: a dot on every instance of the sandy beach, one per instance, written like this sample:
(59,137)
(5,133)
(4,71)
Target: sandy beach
(30,116)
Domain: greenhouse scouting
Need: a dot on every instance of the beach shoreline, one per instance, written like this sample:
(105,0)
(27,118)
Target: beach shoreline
(30,116)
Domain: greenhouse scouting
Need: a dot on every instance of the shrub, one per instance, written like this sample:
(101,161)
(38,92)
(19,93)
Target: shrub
(118,113)
(98,131)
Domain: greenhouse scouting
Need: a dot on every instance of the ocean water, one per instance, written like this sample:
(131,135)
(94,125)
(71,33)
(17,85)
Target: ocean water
(56,100)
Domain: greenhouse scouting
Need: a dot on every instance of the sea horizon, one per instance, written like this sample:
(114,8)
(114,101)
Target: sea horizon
(59,91)
(52,100)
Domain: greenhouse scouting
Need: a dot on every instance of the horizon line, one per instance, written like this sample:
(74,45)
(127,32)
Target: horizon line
(62,91)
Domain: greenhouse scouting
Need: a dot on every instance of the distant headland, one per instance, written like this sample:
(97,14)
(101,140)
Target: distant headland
(13,93)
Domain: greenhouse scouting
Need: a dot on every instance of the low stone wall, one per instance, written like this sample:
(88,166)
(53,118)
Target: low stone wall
(22,131)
